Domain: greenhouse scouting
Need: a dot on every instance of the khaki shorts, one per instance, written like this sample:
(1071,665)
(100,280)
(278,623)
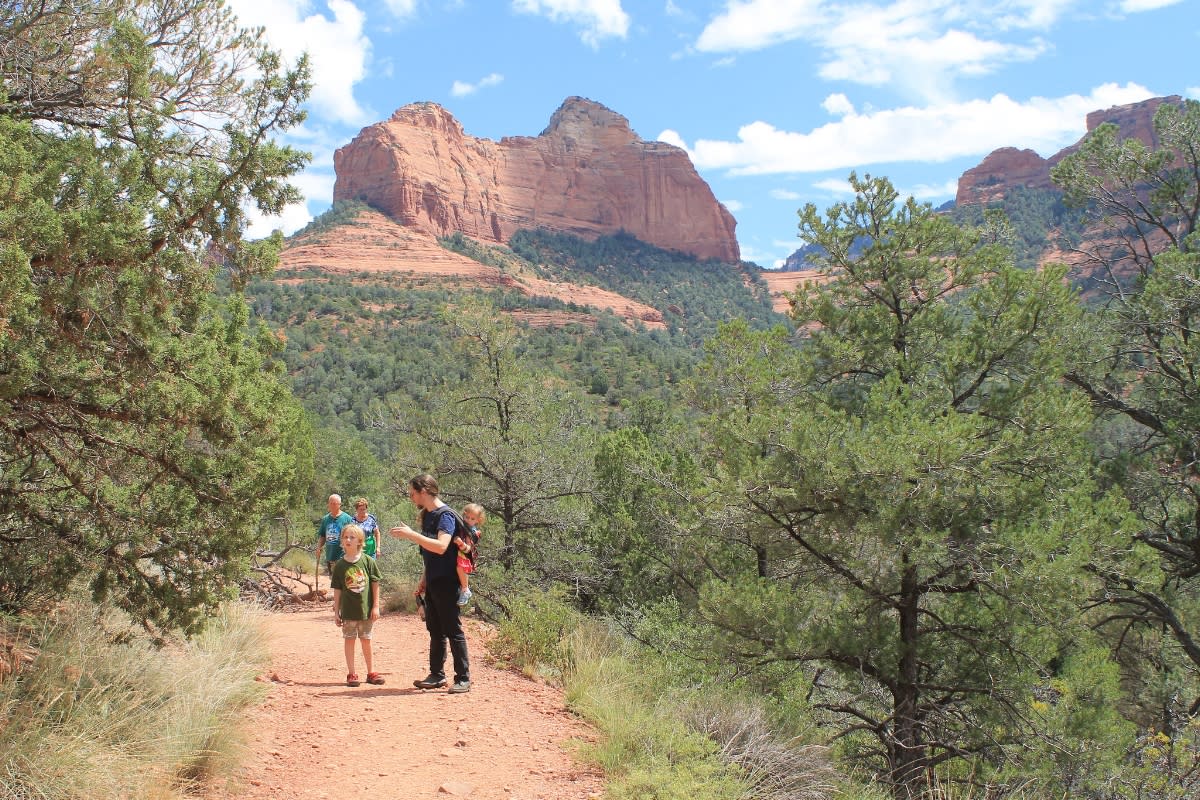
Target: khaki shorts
(357,628)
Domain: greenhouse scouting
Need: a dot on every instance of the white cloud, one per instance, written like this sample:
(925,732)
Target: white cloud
(928,134)
(338,49)
(462,89)
(836,187)
(600,19)
(885,51)
(838,105)
(751,253)
(733,206)
(1134,6)
(672,137)
(755,24)
(919,45)
(402,8)
(925,191)
(784,194)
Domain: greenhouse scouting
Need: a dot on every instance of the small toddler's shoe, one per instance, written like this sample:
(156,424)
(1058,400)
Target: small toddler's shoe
(464,596)
(374,678)
(352,679)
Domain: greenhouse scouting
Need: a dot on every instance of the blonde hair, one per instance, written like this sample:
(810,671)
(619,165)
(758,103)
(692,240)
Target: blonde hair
(357,531)
(475,508)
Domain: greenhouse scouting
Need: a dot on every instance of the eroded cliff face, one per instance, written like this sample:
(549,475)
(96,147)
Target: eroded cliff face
(1007,168)
(587,174)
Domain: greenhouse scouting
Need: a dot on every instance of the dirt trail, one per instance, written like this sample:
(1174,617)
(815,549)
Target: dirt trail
(314,738)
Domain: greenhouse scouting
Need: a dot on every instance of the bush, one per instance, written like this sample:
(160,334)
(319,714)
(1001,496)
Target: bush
(533,637)
(102,713)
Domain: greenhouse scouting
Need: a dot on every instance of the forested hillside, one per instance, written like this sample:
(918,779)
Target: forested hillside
(358,338)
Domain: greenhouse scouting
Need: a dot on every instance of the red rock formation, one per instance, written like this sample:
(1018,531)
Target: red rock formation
(587,174)
(1005,169)
(1002,170)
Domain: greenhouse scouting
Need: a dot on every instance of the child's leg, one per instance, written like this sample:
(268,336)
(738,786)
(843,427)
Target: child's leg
(366,648)
(349,643)
(462,578)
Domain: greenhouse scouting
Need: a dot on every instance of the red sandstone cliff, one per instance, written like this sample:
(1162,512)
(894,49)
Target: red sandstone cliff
(1005,169)
(587,174)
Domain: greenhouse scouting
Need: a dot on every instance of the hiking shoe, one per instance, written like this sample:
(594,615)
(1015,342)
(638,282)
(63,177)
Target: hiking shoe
(464,596)
(430,681)
(460,687)
(352,679)
(374,678)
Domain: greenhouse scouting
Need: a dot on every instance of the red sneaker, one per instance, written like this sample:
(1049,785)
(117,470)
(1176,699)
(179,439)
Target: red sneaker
(352,679)
(374,678)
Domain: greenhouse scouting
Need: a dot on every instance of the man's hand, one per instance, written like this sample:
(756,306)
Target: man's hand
(403,532)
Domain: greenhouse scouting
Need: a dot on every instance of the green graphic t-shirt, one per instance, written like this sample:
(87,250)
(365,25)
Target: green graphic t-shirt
(354,578)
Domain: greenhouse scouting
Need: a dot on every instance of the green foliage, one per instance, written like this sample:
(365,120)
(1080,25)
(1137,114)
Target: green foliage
(693,295)
(533,636)
(1040,219)
(1083,737)
(517,442)
(1141,370)
(144,429)
(1165,767)
(351,342)
(102,713)
(665,731)
(340,213)
(904,501)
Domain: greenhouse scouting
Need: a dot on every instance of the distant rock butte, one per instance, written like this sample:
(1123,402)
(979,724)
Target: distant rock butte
(1007,168)
(588,174)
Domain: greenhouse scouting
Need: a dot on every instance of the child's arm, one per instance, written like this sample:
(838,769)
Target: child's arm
(374,601)
(337,607)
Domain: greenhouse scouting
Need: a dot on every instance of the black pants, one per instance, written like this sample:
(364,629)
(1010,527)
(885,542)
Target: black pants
(443,622)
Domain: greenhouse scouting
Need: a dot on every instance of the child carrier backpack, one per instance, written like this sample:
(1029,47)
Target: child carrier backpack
(465,531)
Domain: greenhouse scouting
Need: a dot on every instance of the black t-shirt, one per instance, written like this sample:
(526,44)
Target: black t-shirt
(444,565)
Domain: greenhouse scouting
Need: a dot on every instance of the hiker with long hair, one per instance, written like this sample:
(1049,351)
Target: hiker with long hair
(439,583)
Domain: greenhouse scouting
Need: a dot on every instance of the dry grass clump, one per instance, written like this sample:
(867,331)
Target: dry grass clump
(101,713)
(775,766)
(671,742)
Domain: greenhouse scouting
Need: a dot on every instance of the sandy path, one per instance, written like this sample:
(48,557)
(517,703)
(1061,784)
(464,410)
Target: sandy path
(314,737)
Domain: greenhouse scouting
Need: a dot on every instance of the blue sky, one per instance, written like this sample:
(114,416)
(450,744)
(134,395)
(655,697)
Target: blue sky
(776,101)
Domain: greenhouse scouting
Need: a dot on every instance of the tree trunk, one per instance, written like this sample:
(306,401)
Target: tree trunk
(907,751)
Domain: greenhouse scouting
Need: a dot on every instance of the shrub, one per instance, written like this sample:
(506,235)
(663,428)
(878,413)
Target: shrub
(533,635)
(102,713)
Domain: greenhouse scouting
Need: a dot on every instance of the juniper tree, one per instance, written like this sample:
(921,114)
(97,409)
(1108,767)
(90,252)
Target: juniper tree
(143,428)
